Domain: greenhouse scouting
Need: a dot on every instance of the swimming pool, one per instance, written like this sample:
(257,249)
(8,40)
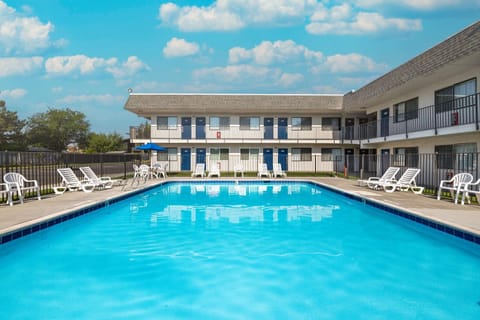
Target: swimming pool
(239,251)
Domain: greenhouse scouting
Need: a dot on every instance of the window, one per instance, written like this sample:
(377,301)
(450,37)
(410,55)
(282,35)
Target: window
(218,154)
(301,123)
(457,96)
(166,123)
(301,154)
(249,123)
(407,110)
(458,157)
(169,155)
(219,123)
(249,154)
(406,157)
(331,124)
(331,154)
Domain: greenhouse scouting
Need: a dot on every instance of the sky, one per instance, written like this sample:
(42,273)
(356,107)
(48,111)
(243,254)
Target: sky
(86,55)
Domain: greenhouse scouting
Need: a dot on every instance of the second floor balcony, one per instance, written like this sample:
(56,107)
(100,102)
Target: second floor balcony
(455,116)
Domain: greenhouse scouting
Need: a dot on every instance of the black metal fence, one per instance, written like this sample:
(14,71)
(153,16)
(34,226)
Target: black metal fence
(42,166)
(434,167)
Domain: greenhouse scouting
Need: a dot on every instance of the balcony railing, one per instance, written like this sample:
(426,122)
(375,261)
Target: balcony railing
(451,114)
(462,111)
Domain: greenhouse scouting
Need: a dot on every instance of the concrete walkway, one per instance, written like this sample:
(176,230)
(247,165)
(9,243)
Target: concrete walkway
(32,212)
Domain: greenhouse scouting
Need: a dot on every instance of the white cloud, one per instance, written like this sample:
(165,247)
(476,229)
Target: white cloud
(267,53)
(63,65)
(227,15)
(66,65)
(132,66)
(234,73)
(363,22)
(289,79)
(57,89)
(17,66)
(353,62)
(22,34)
(180,48)
(13,93)
(103,99)
(417,4)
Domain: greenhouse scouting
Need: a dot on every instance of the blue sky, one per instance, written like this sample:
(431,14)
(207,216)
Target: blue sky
(84,55)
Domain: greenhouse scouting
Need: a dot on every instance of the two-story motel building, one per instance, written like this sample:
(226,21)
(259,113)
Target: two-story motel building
(428,105)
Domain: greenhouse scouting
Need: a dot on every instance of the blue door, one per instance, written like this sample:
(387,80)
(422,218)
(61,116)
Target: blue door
(200,128)
(268,158)
(186,128)
(282,128)
(283,158)
(186,159)
(267,128)
(385,160)
(201,155)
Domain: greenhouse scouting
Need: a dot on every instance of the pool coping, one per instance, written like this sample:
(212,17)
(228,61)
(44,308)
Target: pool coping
(23,229)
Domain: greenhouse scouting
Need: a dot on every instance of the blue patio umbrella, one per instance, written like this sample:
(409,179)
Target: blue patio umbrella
(150,147)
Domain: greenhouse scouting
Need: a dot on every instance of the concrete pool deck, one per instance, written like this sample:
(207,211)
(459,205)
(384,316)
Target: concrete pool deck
(19,216)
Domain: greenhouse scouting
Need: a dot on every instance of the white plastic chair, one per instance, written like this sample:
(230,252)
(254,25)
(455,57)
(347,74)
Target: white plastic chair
(456,185)
(378,182)
(468,189)
(277,170)
(4,188)
(72,183)
(19,184)
(214,170)
(199,170)
(263,171)
(405,183)
(100,182)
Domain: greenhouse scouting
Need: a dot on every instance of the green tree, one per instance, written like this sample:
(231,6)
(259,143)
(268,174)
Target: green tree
(11,130)
(101,143)
(143,131)
(56,128)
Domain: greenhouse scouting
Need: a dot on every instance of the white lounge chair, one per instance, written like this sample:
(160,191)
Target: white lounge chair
(5,189)
(405,183)
(214,170)
(199,170)
(378,182)
(263,171)
(468,189)
(99,182)
(19,184)
(238,168)
(72,183)
(277,170)
(456,185)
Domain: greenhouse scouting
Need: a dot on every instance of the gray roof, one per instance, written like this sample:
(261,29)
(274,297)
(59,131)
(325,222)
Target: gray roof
(463,45)
(238,104)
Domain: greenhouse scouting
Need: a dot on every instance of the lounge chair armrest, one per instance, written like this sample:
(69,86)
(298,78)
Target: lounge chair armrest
(34,182)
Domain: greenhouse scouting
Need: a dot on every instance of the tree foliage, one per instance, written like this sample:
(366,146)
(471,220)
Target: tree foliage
(11,130)
(101,143)
(56,128)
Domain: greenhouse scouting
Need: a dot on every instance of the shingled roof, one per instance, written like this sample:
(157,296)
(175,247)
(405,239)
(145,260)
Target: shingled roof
(246,104)
(464,44)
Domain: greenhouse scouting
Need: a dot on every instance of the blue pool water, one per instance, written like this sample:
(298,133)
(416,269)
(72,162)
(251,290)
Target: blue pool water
(246,251)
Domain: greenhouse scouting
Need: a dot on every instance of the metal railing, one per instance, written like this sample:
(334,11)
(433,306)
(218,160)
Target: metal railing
(42,166)
(434,167)
(461,111)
